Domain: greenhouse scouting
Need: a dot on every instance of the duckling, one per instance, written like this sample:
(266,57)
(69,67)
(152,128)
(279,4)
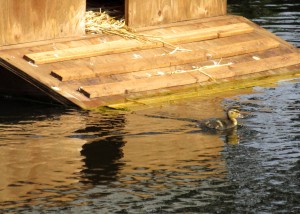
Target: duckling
(223,124)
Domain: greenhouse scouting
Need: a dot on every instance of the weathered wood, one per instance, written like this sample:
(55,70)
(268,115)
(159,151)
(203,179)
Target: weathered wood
(33,20)
(165,60)
(208,21)
(16,67)
(130,65)
(106,48)
(239,49)
(208,33)
(149,12)
(130,86)
(265,33)
(191,77)
(123,45)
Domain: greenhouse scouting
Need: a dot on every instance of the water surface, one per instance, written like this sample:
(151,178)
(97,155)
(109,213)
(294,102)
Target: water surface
(281,17)
(57,160)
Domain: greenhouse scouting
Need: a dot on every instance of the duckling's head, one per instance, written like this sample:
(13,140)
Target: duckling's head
(233,114)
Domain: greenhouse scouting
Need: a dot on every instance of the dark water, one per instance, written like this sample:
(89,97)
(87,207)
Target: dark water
(56,160)
(281,17)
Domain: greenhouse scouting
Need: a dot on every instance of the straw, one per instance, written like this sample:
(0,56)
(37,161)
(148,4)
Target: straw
(102,23)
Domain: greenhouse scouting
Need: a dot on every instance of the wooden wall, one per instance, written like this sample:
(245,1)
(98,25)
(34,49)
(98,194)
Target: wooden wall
(140,13)
(32,20)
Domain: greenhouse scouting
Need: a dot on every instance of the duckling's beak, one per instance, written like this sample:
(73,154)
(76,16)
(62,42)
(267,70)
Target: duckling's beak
(240,115)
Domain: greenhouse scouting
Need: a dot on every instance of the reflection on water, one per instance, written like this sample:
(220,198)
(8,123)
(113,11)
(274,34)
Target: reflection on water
(157,160)
(101,156)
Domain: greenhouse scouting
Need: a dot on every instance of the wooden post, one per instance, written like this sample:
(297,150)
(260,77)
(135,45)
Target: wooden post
(33,20)
(141,13)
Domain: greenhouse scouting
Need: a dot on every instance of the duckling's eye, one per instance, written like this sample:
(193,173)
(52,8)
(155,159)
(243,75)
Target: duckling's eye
(236,111)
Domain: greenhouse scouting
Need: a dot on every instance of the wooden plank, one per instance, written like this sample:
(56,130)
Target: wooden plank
(153,62)
(170,11)
(123,45)
(195,22)
(263,32)
(270,63)
(192,77)
(132,65)
(106,48)
(234,29)
(34,20)
(246,47)
(24,71)
(190,36)
(208,33)
(139,85)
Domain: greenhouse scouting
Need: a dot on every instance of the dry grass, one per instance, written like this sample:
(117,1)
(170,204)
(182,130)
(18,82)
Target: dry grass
(102,23)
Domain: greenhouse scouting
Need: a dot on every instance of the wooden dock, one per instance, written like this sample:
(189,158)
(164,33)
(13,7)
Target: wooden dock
(92,71)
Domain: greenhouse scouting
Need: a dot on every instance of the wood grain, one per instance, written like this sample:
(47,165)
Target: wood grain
(241,48)
(34,20)
(117,76)
(166,60)
(122,45)
(192,77)
(114,47)
(208,33)
(132,65)
(149,12)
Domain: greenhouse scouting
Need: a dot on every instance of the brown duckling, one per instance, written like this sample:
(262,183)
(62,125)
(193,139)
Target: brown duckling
(223,124)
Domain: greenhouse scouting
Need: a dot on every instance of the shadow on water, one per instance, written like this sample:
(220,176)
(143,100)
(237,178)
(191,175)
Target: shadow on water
(155,160)
(52,155)
(12,110)
(102,156)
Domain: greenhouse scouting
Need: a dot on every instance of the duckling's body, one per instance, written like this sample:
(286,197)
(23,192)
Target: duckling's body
(223,124)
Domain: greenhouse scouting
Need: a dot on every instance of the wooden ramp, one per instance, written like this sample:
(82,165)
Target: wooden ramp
(94,71)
